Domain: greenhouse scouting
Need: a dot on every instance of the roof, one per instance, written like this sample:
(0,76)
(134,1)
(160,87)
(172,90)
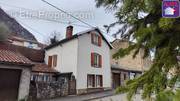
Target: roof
(116,67)
(32,54)
(76,36)
(11,57)
(43,68)
(21,39)
(15,28)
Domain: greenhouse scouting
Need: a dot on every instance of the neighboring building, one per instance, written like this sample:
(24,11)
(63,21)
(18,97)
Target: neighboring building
(86,55)
(19,41)
(15,73)
(127,67)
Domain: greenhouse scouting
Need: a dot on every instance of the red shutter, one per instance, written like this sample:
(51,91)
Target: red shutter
(50,61)
(92,59)
(99,40)
(100,61)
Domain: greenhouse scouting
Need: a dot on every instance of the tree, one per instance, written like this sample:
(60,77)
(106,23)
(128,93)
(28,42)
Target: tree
(142,21)
(4,32)
(54,37)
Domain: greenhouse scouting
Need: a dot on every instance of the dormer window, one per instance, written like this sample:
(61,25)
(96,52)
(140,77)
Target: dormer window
(96,39)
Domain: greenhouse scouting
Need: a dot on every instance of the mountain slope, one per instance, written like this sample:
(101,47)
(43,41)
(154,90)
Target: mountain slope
(15,27)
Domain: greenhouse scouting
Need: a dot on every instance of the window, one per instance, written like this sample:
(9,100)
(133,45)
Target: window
(90,81)
(94,81)
(99,81)
(52,61)
(30,45)
(132,75)
(125,76)
(96,60)
(96,39)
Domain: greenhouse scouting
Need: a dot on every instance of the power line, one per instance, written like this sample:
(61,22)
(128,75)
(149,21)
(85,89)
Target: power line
(67,13)
(42,18)
(71,15)
(103,30)
(32,29)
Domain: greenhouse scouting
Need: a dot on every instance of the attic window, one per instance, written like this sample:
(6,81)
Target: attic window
(96,39)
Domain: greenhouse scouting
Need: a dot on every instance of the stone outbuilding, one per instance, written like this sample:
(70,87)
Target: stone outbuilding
(15,73)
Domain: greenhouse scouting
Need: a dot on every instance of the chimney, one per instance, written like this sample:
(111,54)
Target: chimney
(69,31)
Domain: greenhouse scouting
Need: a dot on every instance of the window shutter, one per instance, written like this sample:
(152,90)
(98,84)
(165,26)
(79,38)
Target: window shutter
(93,77)
(101,81)
(50,61)
(99,40)
(92,59)
(92,37)
(100,61)
(54,60)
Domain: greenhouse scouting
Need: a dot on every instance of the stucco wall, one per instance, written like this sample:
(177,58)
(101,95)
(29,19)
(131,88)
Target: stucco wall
(75,56)
(24,80)
(128,62)
(66,56)
(85,47)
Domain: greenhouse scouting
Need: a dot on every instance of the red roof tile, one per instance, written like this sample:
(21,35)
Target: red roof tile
(43,68)
(32,54)
(8,56)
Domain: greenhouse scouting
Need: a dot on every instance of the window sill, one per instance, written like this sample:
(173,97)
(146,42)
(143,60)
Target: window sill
(95,67)
(94,87)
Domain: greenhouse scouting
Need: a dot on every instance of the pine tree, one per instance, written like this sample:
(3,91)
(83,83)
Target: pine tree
(142,20)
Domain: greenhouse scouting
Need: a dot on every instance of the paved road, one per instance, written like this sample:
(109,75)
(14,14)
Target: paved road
(119,97)
(83,97)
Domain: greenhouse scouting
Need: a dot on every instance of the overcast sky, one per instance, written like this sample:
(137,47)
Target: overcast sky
(39,23)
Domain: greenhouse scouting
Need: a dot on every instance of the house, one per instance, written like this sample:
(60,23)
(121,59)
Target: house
(40,71)
(169,11)
(19,35)
(19,41)
(15,73)
(127,67)
(86,55)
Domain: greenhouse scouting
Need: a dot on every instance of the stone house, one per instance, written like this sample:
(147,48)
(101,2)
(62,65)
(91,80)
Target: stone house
(127,67)
(86,55)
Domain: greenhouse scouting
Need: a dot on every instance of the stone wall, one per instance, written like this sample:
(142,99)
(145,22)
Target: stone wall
(46,90)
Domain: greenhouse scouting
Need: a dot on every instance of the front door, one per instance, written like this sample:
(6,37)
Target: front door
(9,84)
(116,80)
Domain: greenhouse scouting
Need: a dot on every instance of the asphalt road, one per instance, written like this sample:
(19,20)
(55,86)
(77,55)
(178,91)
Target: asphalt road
(86,97)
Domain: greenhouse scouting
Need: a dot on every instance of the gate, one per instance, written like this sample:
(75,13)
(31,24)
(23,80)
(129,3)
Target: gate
(72,87)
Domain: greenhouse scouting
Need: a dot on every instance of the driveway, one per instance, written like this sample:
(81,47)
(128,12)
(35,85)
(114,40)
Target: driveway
(86,97)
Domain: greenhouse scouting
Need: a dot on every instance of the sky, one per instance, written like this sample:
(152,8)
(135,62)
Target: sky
(42,19)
